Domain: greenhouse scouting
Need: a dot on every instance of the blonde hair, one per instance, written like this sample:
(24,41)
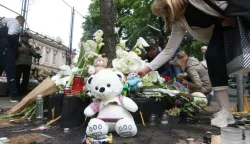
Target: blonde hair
(182,54)
(175,8)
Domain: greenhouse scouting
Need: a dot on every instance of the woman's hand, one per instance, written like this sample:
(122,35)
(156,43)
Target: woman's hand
(144,71)
(185,82)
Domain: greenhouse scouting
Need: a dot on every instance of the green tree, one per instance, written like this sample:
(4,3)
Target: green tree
(132,16)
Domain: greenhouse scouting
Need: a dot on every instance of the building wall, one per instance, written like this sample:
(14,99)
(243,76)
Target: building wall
(52,56)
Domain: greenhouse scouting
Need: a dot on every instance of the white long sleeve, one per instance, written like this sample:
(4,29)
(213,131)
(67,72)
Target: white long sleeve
(174,42)
(13,26)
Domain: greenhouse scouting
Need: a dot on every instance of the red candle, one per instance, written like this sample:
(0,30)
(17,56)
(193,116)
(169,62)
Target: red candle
(67,91)
(78,83)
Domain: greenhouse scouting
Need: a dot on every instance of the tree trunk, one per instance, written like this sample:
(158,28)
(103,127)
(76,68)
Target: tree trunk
(108,26)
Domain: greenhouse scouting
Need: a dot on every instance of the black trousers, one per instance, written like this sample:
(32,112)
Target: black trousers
(24,71)
(8,64)
(215,57)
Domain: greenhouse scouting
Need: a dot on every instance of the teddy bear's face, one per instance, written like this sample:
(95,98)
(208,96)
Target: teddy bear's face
(106,84)
(101,62)
(132,75)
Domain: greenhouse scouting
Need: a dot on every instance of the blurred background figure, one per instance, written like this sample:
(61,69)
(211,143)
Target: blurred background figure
(23,63)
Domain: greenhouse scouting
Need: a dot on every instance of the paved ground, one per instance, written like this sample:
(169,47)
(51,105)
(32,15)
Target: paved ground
(170,134)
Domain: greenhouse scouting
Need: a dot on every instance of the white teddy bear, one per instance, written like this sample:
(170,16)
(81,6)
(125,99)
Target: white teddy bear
(113,108)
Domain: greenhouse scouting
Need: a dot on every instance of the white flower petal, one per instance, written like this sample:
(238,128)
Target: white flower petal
(98,39)
(116,63)
(132,55)
(138,51)
(134,65)
(142,42)
(123,43)
(86,47)
(92,44)
(65,80)
(64,67)
(154,75)
(117,30)
(75,69)
(121,53)
(98,33)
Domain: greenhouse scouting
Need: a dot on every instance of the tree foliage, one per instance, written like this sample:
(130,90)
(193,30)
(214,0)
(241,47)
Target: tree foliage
(132,16)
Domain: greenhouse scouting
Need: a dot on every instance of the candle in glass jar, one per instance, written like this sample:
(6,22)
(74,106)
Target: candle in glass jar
(78,83)
(67,91)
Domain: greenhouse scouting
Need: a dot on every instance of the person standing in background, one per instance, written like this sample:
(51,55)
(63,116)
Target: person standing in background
(23,63)
(9,44)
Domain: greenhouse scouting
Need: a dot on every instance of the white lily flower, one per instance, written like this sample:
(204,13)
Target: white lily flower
(64,67)
(137,51)
(161,80)
(98,33)
(123,43)
(92,44)
(58,82)
(154,75)
(123,66)
(65,80)
(142,43)
(75,69)
(55,77)
(132,54)
(116,63)
(117,30)
(118,47)
(134,65)
(121,53)
(100,45)
(98,39)
(86,47)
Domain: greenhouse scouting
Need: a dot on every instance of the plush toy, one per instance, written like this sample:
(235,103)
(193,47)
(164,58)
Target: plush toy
(91,70)
(112,108)
(125,89)
(134,81)
(100,63)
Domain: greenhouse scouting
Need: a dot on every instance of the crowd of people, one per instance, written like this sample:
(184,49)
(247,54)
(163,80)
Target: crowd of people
(16,56)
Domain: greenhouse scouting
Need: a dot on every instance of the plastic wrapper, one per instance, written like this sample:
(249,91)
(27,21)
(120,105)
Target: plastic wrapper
(106,139)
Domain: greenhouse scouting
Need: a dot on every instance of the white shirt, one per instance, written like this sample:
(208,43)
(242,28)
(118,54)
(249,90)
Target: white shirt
(13,25)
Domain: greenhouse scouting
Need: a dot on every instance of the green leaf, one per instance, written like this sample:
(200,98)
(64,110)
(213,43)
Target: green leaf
(187,104)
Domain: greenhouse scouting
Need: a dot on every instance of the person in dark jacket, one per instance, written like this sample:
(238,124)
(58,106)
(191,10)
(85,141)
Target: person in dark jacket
(23,63)
(152,52)
(9,36)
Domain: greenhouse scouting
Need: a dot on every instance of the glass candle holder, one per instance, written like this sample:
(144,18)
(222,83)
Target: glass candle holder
(78,83)
(164,118)
(152,119)
(67,91)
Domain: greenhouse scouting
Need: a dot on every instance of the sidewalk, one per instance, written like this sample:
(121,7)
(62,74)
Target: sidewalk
(5,103)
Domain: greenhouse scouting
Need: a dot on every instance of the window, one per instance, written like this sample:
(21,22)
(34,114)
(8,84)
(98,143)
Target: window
(47,55)
(54,56)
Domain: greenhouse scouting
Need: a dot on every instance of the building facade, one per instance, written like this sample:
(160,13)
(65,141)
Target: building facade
(53,52)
